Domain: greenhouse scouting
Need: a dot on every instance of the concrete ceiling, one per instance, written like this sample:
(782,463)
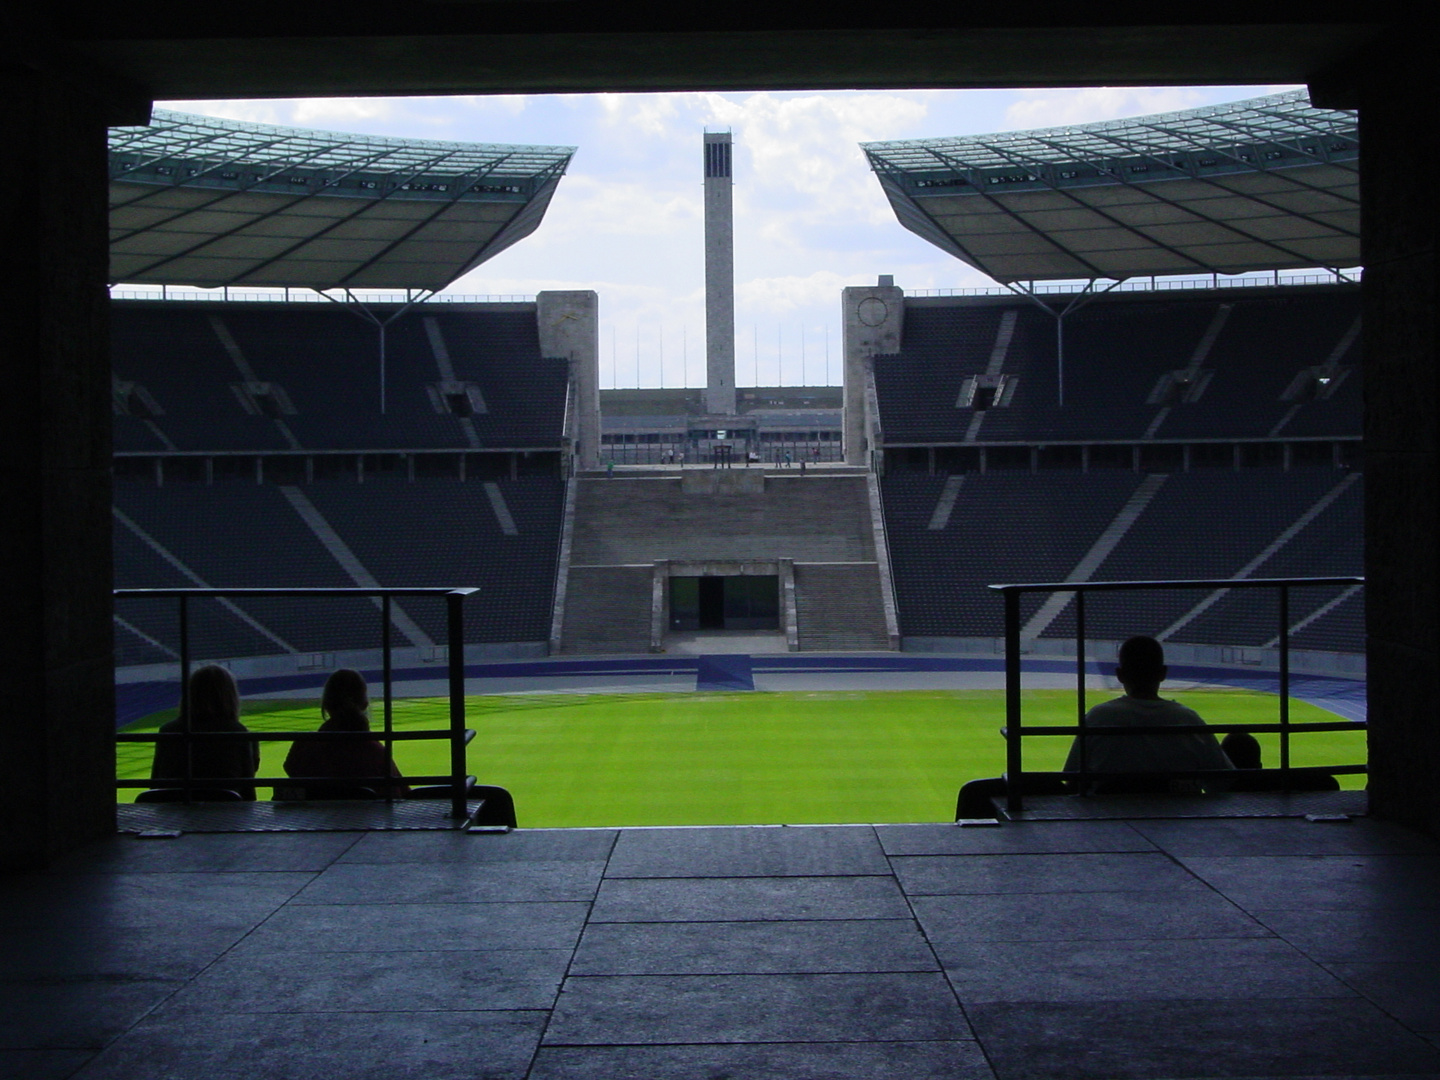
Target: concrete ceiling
(170,50)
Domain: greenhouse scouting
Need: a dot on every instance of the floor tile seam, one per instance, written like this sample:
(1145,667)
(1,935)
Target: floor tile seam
(701,922)
(1270,936)
(230,1011)
(349,903)
(226,1009)
(935,956)
(859,920)
(89,978)
(752,1042)
(569,962)
(1215,889)
(1128,939)
(1051,892)
(749,877)
(710,975)
(1418,1032)
(361,951)
(1299,1001)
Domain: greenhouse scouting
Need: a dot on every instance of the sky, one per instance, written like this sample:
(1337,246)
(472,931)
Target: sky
(810,217)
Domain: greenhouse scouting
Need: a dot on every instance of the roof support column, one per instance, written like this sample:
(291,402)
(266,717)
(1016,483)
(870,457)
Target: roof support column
(1402,442)
(569,324)
(57,740)
(874,320)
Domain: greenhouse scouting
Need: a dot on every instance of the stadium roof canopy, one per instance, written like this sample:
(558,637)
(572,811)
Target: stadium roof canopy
(1265,184)
(200,201)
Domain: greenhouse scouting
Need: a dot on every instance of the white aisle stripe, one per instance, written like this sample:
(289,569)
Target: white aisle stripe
(351,564)
(1098,553)
(1254,564)
(502,512)
(199,582)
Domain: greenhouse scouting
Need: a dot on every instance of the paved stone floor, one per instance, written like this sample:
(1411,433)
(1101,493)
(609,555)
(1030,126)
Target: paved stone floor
(1234,948)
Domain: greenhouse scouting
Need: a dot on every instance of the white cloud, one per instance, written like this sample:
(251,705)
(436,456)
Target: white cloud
(589,206)
(1059,108)
(645,114)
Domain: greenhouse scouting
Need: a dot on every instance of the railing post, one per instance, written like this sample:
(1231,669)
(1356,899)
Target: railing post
(455,626)
(386,680)
(1080,680)
(185,718)
(1014,800)
(1285,686)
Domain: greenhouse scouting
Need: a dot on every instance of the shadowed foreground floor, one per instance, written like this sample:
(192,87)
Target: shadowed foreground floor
(1049,949)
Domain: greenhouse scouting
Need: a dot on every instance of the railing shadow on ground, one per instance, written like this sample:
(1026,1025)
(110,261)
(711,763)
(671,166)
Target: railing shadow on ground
(1015,730)
(457,734)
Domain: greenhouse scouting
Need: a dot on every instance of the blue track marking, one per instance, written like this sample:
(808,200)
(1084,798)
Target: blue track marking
(724,672)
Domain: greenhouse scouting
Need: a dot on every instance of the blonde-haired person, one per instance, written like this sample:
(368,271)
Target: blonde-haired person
(214,706)
(344,706)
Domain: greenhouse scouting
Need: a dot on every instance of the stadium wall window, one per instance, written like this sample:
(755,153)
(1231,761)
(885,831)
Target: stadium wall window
(1008,457)
(1162,457)
(232,469)
(332,467)
(1109,456)
(1261,455)
(285,469)
(1311,455)
(1061,457)
(129,470)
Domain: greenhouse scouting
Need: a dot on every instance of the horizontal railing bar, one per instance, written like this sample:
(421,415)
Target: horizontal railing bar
(300,592)
(1198,583)
(1187,773)
(287,736)
(281,781)
(1164,729)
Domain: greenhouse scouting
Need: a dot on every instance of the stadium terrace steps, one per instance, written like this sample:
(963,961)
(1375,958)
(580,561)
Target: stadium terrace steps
(643,520)
(326,359)
(625,524)
(1190,521)
(607,609)
(838,607)
(399,534)
(1117,349)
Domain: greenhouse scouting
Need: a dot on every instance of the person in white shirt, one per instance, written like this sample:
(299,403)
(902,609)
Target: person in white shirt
(1191,747)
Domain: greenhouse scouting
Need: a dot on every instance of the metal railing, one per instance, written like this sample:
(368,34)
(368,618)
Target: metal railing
(1346,276)
(228,295)
(457,734)
(1015,730)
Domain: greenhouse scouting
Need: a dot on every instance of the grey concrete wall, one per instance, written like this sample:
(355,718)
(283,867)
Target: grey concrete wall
(57,739)
(569,325)
(874,320)
(1398,162)
(719,291)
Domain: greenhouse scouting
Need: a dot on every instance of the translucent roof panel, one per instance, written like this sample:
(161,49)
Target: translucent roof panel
(199,201)
(1264,184)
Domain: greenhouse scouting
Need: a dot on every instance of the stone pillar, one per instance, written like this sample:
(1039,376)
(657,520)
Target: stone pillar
(719,277)
(569,324)
(1402,558)
(874,319)
(57,738)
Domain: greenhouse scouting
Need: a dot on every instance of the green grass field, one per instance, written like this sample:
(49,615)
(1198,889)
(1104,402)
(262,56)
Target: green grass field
(749,757)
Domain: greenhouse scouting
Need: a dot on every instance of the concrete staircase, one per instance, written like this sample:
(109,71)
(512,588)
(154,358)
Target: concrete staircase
(608,609)
(623,525)
(838,607)
(721,514)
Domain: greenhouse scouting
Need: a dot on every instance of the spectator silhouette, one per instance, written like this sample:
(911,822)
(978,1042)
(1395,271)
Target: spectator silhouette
(1243,750)
(1141,670)
(344,706)
(214,706)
